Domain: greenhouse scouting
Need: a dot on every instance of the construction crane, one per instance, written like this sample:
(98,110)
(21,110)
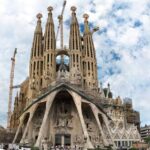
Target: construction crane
(11,88)
(60,27)
(16,86)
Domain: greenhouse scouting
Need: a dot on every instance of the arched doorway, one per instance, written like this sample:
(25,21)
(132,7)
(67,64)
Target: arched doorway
(64,123)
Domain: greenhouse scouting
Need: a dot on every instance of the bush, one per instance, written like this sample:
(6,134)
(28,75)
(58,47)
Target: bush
(133,148)
(147,140)
(35,148)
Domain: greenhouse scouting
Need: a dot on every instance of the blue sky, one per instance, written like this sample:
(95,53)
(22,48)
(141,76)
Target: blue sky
(122,44)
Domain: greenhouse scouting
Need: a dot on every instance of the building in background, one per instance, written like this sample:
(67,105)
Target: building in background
(61,102)
(145,131)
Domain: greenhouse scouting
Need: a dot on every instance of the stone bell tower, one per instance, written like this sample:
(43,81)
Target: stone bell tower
(36,60)
(75,46)
(89,58)
(49,50)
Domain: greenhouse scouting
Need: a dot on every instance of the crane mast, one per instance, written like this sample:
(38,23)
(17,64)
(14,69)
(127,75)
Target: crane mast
(11,88)
(60,27)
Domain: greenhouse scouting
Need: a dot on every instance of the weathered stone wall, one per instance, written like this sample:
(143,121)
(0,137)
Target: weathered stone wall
(5,136)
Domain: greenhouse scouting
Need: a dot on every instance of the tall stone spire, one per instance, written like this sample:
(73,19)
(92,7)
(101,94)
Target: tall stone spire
(75,45)
(89,58)
(74,39)
(86,25)
(37,40)
(49,50)
(49,36)
(36,60)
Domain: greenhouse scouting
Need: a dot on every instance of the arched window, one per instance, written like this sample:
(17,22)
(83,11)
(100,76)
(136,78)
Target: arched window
(77,58)
(73,57)
(88,65)
(34,65)
(41,67)
(47,58)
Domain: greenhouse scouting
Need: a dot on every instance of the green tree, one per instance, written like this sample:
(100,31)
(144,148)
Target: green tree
(133,148)
(147,140)
(34,148)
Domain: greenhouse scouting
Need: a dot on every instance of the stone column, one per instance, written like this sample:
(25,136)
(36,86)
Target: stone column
(77,101)
(49,102)
(18,130)
(30,132)
(62,140)
(106,123)
(95,112)
(28,123)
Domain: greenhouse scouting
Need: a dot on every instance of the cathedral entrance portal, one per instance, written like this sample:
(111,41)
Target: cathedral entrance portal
(64,125)
(63,139)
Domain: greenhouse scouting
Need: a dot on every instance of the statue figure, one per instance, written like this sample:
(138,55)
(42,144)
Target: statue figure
(61,122)
(69,123)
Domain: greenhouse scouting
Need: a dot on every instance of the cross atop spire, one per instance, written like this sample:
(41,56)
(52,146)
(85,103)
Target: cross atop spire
(50,9)
(73,9)
(85,16)
(39,16)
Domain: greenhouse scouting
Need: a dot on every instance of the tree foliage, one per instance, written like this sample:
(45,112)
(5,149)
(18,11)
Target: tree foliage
(34,148)
(147,140)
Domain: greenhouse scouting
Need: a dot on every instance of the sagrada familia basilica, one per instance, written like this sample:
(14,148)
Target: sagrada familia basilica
(62,104)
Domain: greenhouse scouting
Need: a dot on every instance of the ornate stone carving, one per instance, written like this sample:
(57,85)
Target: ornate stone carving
(78,140)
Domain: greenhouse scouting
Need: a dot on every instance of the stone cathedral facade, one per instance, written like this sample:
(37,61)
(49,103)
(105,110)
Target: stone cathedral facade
(62,103)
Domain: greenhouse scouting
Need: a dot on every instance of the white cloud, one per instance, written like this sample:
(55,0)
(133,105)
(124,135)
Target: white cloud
(129,37)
